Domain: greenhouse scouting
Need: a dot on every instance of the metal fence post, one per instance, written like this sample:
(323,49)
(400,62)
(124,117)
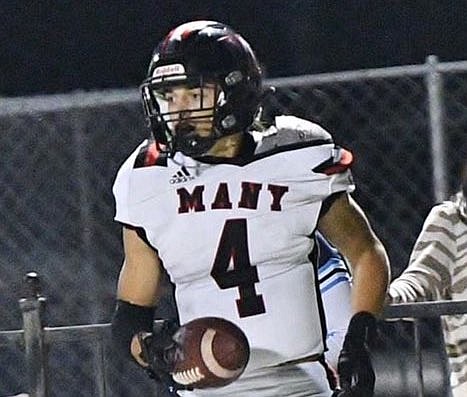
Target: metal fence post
(99,365)
(32,306)
(418,352)
(434,83)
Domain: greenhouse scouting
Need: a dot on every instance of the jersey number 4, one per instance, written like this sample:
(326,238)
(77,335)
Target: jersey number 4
(233,249)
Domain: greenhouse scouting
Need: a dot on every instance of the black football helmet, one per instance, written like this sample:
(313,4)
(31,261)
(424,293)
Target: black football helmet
(197,54)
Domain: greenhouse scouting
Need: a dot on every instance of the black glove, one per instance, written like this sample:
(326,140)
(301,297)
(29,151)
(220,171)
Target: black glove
(158,349)
(356,374)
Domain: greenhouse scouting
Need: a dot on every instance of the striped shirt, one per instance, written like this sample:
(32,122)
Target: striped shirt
(438,271)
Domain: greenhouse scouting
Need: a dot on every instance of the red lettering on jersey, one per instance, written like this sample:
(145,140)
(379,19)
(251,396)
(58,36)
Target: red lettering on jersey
(250,193)
(277,194)
(249,197)
(193,201)
(222,199)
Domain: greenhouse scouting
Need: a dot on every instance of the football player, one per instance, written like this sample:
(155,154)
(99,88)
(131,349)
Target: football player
(231,210)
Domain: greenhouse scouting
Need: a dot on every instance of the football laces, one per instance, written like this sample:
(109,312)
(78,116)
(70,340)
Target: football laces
(188,376)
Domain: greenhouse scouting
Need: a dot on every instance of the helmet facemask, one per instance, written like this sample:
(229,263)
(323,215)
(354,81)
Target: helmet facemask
(190,130)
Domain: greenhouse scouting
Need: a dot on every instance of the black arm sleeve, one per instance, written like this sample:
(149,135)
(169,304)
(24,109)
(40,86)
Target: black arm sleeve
(128,320)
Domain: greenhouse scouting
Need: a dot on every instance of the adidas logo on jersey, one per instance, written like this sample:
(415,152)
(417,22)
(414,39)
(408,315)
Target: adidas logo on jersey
(181,176)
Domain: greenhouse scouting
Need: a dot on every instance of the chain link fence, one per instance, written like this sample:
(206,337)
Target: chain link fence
(407,127)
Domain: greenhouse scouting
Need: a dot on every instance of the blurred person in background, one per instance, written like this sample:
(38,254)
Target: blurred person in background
(437,270)
(230,210)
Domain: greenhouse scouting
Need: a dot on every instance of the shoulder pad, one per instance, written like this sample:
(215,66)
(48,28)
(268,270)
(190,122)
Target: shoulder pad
(306,129)
(291,130)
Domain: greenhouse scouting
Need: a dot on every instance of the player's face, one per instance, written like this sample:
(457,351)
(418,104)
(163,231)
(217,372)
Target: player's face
(191,109)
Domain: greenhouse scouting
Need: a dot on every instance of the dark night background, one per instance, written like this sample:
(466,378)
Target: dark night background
(59,46)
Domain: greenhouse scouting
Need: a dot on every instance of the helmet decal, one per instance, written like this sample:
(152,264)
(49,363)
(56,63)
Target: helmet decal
(168,70)
(233,78)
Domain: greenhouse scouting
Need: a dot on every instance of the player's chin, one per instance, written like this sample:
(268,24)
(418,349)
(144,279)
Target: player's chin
(204,132)
(202,129)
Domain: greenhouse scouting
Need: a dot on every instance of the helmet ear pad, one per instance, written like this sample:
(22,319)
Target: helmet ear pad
(238,110)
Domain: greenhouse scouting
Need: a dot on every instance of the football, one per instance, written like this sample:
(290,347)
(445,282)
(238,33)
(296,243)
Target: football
(211,352)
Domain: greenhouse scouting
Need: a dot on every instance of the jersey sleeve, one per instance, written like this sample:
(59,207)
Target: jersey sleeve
(334,171)
(122,189)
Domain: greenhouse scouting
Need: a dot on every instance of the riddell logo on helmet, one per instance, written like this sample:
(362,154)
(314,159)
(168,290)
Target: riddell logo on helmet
(169,70)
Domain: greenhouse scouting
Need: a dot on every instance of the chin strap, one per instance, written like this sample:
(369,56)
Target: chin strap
(193,145)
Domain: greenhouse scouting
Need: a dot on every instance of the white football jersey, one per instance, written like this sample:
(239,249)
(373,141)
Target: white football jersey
(236,238)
